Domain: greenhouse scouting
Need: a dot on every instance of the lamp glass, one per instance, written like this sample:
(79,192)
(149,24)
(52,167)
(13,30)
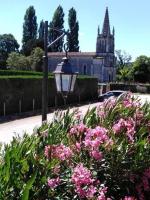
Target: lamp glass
(74,76)
(58,82)
(66,81)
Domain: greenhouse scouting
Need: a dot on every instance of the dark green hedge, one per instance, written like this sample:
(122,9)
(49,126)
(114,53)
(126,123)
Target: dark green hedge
(29,74)
(24,89)
(19,73)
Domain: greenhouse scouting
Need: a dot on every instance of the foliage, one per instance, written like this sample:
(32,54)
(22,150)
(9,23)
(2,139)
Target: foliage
(56,23)
(18,61)
(31,45)
(123,59)
(141,69)
(37,59)
(41,30)
(99,156)
(124,74)
(8,44)
(29,28)
(72,38)
(19,72)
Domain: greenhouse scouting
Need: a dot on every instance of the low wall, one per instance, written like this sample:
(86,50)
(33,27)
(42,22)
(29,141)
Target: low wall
(19,95)
(136,88)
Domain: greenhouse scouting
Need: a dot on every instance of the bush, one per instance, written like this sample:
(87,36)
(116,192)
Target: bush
(102,155)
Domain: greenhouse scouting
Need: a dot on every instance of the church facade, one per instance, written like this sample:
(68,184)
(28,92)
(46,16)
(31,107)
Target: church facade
(100,64)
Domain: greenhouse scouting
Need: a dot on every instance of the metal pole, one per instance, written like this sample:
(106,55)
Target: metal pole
(45,76)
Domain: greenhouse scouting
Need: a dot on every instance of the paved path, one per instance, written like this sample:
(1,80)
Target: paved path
(20,126)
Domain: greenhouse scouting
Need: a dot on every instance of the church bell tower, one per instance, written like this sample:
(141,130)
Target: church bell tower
(105,39)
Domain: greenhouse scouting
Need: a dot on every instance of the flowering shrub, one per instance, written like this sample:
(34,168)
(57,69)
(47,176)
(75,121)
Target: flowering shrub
(104,155)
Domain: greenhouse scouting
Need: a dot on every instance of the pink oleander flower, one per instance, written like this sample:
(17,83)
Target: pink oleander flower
(78,129)
(128,126)
(95,137)
(78,146)
(47,151)
(91,190)
(102,192)
(81,175)
(53,183)
(58,151)
(83,181)
(96,154)
(117,128)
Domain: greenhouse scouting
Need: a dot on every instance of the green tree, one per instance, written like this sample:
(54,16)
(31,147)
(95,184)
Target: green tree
(41,30)
(125,74)
(58,23)
(8,44)
(29,27)
(18,61)
(31,45)
(141,69)
(72,38)
(37,59)
(123,59)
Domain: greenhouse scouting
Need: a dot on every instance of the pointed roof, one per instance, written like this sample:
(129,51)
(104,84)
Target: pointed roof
(106,26)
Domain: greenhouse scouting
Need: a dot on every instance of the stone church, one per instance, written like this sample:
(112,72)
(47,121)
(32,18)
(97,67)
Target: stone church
(100,64)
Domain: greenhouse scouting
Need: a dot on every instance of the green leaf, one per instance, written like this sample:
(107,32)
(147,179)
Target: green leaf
(28,186)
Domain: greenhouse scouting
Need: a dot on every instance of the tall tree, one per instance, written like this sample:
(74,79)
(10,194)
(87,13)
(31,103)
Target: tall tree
(8,44)
(72,38)
(58,23)
(29,27)
(41,31)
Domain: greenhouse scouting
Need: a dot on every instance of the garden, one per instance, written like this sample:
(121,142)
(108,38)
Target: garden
(102,155)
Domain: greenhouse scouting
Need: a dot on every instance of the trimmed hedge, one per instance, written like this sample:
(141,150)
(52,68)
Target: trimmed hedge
(26,89)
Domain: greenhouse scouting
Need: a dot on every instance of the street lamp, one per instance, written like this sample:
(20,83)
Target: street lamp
(65,75)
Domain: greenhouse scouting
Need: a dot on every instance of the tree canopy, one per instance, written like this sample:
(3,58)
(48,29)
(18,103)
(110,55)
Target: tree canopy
(29,27)
(141,69)
(72,38)
(57,23)
(18,61)
(8,44)
(123,58)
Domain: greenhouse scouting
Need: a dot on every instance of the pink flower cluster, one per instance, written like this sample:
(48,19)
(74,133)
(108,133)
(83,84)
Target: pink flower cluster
(78,129)
(53,183)
(127,125)
(58,151)
(93,139)
(85,184)
(129,102)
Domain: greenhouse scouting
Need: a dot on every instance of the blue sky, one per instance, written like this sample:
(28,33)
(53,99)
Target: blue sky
(131,19)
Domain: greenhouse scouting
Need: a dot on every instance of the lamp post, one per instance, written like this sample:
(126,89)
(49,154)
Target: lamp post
(65,76)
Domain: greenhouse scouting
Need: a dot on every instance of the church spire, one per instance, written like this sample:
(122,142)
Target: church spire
(98,30)
(106,26)
(113,31)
